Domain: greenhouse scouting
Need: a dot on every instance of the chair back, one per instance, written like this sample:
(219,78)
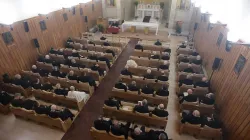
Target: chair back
(197,77)
(157,117)
(45,66)
(182,75)
(200,91)
(182,66)
(197,68)
(184,88)
(212,133)
(192,129)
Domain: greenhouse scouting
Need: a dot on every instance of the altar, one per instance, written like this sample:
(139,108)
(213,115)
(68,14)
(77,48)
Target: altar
(136,24)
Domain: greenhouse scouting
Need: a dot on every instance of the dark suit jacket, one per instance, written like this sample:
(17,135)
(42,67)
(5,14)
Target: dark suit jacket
(154,135)
(167,50)
(206,100)
(40,59)
(17,102)
(61,92)
(141,109)
(147,90)
(139,47)
(106,44)
(191,119)
(182,46)
(110,51)
(74,77)
(189,98)
(35,70)
(143,135)
(118,131)
(166,57)
(197,62)
(212,123)
(43,72)
(42,109)
(185,60)
(126,72)
(186,82)
(75,65)
(102,125)
(76,54)
(100,71)
(48,61)
(133,88)
(158,43)
(160,113)
(162,92)
(37,86)
(102,38)
(163,67)
(195,54)
(66,113)
(112,103)
(189,70)
(105,59)
(149,76)
(121,86)
(29,104)
(56,73)
(5,98)
(155,56)
(47,86)
(162,78)
(93,57)
(201,84)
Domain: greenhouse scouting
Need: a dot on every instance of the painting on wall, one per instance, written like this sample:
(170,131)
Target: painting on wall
(111,3)
(184,4)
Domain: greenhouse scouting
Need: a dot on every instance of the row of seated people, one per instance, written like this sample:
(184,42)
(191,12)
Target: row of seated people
(141,107)
(50,110)
(120,128)
(149,75)
(147,89)
(186,59)
(208,99)
(163,56)
(190,69)
(70,42)
(131,63)
(138,46)
(5,98)
(192,52)
(188,81)
(194,117)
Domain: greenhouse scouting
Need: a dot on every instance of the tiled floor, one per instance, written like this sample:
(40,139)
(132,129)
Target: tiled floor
(12,128)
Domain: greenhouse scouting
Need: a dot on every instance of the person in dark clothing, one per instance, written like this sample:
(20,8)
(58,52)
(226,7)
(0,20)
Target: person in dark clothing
(34,69)
(103,58)
(149,75)
(53,51)
(69,40)
(29,104)
(55,72)
(66,113)
(194,53)
(208,99)
(189,97)
(6,78)
(167,50)
(42,109)
(60,52)
(60,91)
(163,91)
(147,90)
(112,102)
(19,81)
(189,69)
(158,43)
(202,83)
(212,122)
(72,76)
(47,59)
(85,78)
(41,59)
(160,111)
(102,124)
(142,107)
(119,129)
(185,60)
(163,77)
(165,66)
(120,85)
(139,133)
(187,81)
(5,98)
(155,55)
(97,68)
(183,45)
(43,72)
(126,72)
(37,84)
(157,135)
(17,101)
(75,54)
(191,117)
(165,56)
(106,43)
(139,47)
(47,87)
(198,60)
(91,42)
(74,64)
(110,51)
(62,114)
(133,87)
(103,38)
(93,57)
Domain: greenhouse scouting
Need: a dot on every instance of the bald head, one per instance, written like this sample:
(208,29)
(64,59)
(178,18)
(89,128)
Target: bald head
(34,67)
(204,79)
(53,107)
(196,113)
(190,91)
(133,83)
(148,71)
(18,76)
(47,57)
(189,65)
(198,57)
(71,73)
(161,106)
(165,62)
(137,131)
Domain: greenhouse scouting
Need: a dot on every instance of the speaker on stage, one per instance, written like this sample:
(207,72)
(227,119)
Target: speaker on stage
(217,63)
(36,43)
(26,26)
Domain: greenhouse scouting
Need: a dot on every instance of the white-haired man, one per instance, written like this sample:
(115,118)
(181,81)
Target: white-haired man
(163,77)
(126,72)
(133,87)
(63,114)
(188,96)
(189,69)
(165,66)
(34,69)
(198,60)
(160,111)
(191,117)
(208,99)
(78,95)
(203,83)
(187,81)
(19,81)
(149,75)
(60,91)
(131,64)
(142,107)
(155,55)
(165,56)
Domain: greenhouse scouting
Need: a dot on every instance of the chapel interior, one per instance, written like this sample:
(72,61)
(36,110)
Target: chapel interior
(124,70)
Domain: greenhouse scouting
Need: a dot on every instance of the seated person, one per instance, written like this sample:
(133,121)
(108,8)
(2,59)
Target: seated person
(102,124)
(139,133)
(53,51)
(126,72)
(96,67)
(63,114)
(40,59)
(189,69)
(34,69)
(133,87)
(103,38)
(72,76)
(158,43)
(165,56)
(43,72)
(191,117)
(91,42)
(160,111)
(56,72)
(69,45)
(157,135)
(212,122)
(47,86)
(142,107)
(198,60)
(78,95)
(110,51)
(155,55)
(194,53)
(93,56)
(6,78)
(60,91)
(165,66)
(112,102)
(75,54)
(47,59)
(185,60)
(60,52)
(17,101)
(149,75)
(5,98)
(69,40)
(21,81)
(120,85)
(187,81)
(167,50)
(183,45)
(29,104)
(202,83)
(163,91)
(42,109)
(74,64)
(131,64)
(37,84)
(208,99)
(106,43)
(85,78)
(119,129)
(188,96)
(139,47)
(163,77)
(103,58)
(147,89)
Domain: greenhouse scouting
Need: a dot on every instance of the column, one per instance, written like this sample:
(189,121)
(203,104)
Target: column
(171,20)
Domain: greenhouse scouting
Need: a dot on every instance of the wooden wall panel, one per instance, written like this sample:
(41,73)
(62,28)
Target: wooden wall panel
(232,90)
(22,54)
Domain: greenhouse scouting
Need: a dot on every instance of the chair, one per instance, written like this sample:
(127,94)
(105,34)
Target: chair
(117,137)
(157,117)
(211,133)
(99,134)
(182,66)
(200,91)
(184,88)
(192,129)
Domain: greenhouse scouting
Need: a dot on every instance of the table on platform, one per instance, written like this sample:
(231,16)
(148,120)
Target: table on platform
(140,24)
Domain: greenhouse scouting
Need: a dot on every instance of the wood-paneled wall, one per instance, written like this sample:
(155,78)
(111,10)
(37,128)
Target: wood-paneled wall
(22,54)
(232,90)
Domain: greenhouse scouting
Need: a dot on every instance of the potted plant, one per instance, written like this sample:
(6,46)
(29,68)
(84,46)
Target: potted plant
(100,28)
(136,3)
(162,5)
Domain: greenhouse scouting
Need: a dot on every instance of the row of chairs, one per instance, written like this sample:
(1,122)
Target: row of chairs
(202,108)
(198,91)
(141,70)
(182,66)
(153,63)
